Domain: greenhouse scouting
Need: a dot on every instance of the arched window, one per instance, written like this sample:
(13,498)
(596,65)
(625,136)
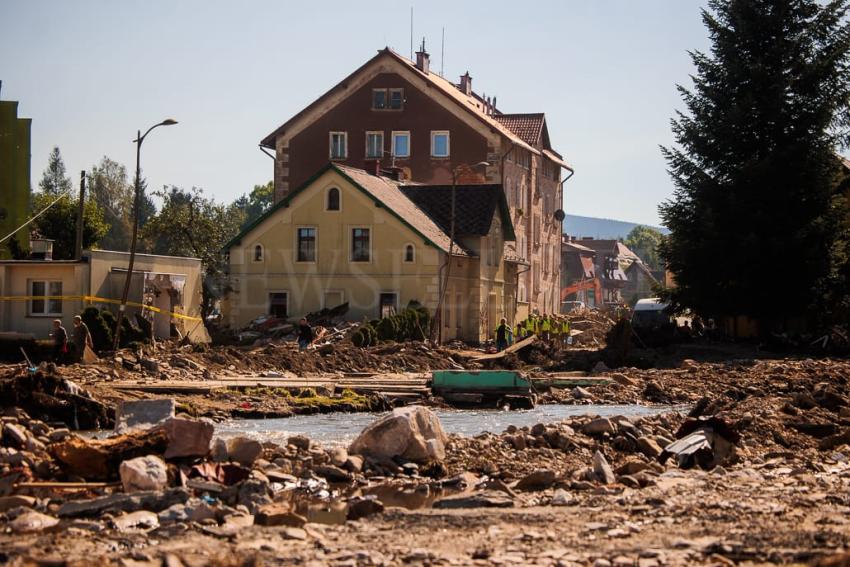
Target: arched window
(333,199)
(258,253)
(409,253)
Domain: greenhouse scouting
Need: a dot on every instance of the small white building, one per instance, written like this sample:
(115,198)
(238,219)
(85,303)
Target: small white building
(35,292)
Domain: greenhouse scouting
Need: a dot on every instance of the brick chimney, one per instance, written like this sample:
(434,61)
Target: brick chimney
(466,84)
(423,61)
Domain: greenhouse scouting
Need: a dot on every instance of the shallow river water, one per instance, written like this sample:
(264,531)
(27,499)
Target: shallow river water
(342,428)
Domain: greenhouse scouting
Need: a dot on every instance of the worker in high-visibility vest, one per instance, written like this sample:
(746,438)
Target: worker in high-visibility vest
(529,325)
(565,331)
(545,328)
(519,332)
(556,330)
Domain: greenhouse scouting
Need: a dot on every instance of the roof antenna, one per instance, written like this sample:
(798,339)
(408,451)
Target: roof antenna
(411,33)
(443,53)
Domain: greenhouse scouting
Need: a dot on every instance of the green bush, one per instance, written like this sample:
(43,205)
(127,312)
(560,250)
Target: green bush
(99,327)
(388,328)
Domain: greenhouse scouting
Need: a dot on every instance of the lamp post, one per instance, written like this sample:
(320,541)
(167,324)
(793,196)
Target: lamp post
(138,141)
(445,281)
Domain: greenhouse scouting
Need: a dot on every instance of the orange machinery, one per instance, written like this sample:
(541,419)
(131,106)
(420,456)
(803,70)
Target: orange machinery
(593,284)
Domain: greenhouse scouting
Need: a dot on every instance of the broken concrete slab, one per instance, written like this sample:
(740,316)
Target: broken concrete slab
(142,414)
(153,501)
(143,473)
(188,437)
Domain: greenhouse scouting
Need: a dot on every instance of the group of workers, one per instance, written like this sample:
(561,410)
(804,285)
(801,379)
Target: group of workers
(553,329)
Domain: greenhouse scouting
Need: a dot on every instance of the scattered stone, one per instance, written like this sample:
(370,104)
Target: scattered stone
(622,379)
(339,456)
(15,434)
(602,470)
(540,479)
(649,447)
(142,414)
(188,437)
(332,473)
(9,502)
(58,435)
(359,507)
(485,499)
(278,515)
(300,442)
(411,432)
(144,473)
(154,501)
(244,450)
(139,520)
(562,498)
(580,393)
(32,521)
(598,426)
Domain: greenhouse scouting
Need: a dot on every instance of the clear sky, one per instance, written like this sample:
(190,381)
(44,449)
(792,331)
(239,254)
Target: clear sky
(90,73)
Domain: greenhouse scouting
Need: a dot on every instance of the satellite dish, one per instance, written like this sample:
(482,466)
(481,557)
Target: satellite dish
(559,215)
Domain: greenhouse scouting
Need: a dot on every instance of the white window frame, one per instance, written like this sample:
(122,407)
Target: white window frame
(404,253)
(254,253)
(47,312)
(399,133)
(351,230)
(331,135)
(315,244)
(434,134)
(269,300)
(327,196)
(381,150)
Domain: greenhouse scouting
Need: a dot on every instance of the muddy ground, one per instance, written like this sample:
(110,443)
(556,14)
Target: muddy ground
(781,496)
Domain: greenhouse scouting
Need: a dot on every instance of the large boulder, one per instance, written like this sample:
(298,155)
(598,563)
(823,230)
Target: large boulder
(188,437)
(142,414)
(413,433)
(144,473)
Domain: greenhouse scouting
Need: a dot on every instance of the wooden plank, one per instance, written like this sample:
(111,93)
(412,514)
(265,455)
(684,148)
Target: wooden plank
(528,341)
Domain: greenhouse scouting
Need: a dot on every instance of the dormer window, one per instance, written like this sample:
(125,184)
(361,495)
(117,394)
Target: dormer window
(387,99)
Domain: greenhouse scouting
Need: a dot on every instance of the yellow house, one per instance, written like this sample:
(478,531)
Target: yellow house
(35,292)
(376,243)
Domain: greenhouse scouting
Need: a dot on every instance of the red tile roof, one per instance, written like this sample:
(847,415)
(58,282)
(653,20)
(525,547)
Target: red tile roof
(529,127)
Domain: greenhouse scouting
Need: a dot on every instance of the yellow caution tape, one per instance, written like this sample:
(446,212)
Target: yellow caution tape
(95,299)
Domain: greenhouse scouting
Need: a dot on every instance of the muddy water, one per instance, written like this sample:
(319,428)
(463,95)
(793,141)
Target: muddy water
(342,428)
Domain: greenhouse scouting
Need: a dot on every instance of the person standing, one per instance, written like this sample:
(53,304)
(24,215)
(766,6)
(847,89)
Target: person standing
(60,342)
(502,335)
(305,334)
(81,338)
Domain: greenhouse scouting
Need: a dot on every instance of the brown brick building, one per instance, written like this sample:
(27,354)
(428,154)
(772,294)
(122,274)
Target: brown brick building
(393,112)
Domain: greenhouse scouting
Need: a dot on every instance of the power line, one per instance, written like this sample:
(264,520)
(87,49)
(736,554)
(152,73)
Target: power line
(41,212)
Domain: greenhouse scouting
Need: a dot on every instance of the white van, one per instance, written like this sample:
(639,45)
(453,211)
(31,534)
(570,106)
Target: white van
(651,313)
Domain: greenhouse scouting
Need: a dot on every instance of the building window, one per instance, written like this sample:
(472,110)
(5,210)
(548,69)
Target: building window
(387,304)
(307,244)
(43,291)
(396,99)
(401,144)
(333,199)
(279,304)
(339,145)
(387,99)
(360,245)
(440,143)
(522,296)
(258,253)
(409,253)
(374,144)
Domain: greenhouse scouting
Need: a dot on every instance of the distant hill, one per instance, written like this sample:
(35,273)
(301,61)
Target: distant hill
(576,225)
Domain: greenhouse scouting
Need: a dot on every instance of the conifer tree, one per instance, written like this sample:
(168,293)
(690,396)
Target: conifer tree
(55,180)
(753,217)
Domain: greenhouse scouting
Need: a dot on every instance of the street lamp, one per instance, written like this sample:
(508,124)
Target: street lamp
(445,282)
(138,141)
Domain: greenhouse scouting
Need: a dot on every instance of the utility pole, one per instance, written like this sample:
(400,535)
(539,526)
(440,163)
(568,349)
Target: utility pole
(81,206)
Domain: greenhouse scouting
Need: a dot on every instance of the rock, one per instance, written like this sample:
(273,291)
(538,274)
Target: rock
(142,414)
(622,379)
(278,515)
(218,453)
(332,473)
(540,479)
(154,501)
(150,365)
(194,510)
(562,498)
(485,499)
(139,520)
(280,476)
(413,433)
(580,393)
(598,426)
(600,368)
(244,450)
(359,507)
(649,447)
(299,534)
(339,456)
(15,435)
(188,437)
(143,473)
(9,502)
(100,459)
(32,521)
(58,435)
(300,442)
(602,470)
(354,463)
(631,467)
(254,494)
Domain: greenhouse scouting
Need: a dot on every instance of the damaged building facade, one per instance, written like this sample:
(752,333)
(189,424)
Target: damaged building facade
(376,243)
(403,116)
